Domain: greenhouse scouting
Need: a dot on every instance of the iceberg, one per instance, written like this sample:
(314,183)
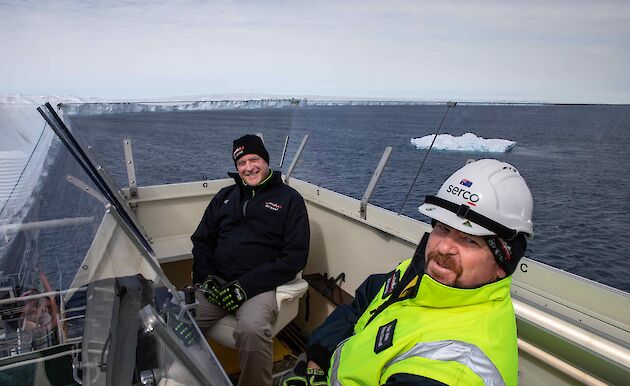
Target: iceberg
(465,142)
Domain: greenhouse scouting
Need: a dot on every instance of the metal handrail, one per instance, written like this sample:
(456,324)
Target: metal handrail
(40,295)
(615,352)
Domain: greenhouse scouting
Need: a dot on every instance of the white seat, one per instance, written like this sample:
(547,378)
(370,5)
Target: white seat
(287,296)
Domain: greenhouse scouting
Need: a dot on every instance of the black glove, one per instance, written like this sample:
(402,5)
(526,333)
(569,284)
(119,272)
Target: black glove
(232,296)
(211,288)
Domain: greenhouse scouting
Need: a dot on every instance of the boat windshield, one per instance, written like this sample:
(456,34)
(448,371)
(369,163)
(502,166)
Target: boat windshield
(77,288)
(573,157)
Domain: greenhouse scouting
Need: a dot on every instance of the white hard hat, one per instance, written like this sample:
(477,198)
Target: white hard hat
(483,198)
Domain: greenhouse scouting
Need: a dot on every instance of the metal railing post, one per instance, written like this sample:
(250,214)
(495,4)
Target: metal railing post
(131,169)
(284,151)
(295,159)
(373,182)
(85,188)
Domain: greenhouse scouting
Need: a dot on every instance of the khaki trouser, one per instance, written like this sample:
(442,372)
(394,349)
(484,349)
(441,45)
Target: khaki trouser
(252,334)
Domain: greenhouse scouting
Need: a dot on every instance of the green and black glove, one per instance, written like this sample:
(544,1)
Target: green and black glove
(211,288)
(232,296)
(311,377)
(185,332)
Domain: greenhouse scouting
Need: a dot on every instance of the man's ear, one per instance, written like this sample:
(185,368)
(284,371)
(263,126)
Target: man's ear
(501,273)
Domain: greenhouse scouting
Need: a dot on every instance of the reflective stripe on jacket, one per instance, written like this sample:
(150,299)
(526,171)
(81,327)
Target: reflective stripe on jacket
(455,336)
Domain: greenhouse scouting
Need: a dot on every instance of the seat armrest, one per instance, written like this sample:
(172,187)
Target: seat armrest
(295,288)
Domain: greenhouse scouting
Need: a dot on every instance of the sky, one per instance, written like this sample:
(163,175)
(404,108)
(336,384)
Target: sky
(564,51)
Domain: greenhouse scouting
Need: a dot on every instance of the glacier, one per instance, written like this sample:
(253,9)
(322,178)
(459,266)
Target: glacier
(75,105)
(466,142)
(92,105)
(107,107)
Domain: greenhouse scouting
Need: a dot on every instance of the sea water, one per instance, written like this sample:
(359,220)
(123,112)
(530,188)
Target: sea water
(574,158)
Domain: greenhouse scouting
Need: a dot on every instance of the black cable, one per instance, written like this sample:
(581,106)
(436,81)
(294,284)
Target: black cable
(448,109)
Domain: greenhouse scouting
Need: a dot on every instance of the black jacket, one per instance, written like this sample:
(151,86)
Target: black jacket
(257,235)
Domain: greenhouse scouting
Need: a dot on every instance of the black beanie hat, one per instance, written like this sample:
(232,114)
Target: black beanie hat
(249,144)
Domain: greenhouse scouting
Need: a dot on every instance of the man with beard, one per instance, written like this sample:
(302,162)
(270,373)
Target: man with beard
(444,317)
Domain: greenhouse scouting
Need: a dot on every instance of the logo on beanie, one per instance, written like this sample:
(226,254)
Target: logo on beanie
(238,151)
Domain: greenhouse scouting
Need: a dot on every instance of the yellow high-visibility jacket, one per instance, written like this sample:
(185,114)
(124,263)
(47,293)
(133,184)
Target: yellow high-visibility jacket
(454,336)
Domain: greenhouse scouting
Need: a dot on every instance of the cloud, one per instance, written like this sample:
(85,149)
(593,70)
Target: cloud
(527,51)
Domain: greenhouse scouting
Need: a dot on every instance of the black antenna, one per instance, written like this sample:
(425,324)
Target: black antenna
(449,105)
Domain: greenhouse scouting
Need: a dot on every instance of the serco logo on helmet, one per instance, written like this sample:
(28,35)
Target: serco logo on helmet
(467,195)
